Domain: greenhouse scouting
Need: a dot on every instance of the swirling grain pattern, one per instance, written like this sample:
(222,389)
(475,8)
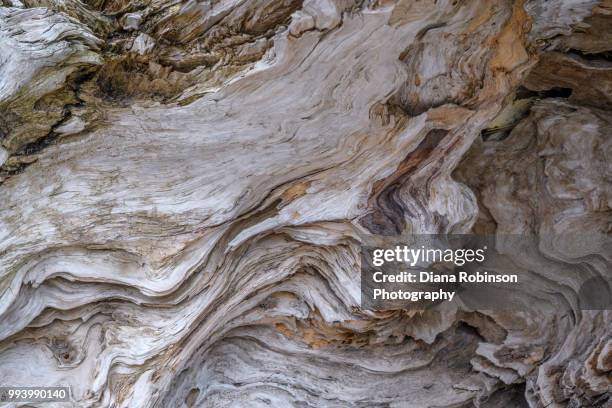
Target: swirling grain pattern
(186,184)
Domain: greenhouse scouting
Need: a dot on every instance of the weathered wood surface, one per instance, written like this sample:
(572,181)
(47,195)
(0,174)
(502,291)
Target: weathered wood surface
(184,186)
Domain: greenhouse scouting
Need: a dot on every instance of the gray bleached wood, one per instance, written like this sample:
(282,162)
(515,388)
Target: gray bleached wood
(180,227)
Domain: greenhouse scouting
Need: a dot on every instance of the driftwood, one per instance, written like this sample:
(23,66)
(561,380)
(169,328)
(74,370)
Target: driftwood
(185,187)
